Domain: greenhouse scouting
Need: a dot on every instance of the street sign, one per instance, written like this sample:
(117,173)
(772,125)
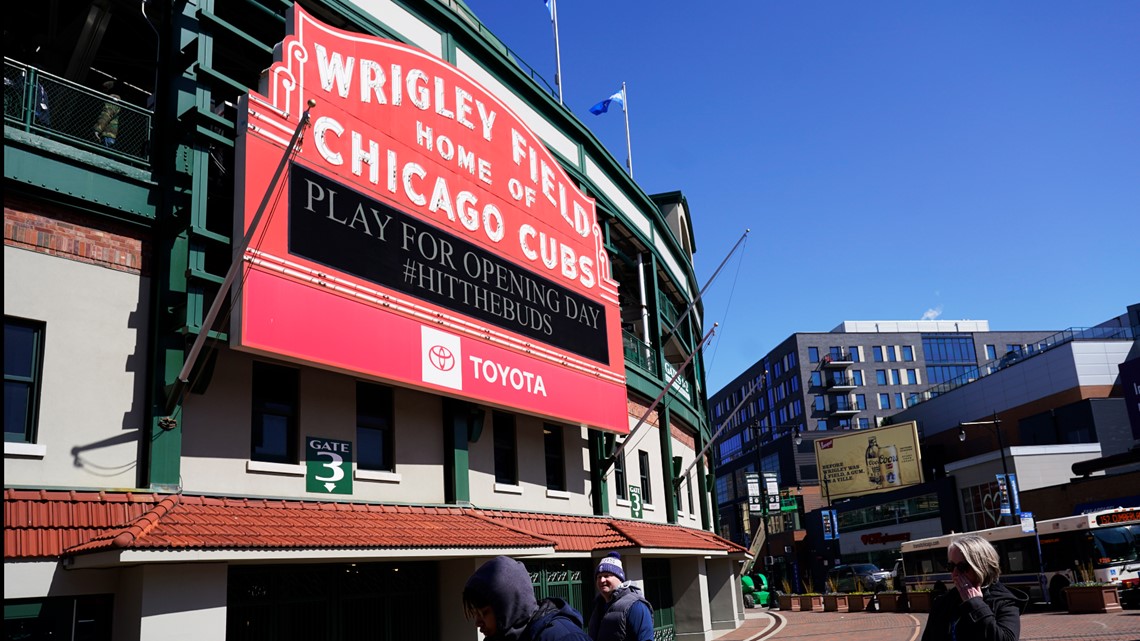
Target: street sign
(830,525)
(755,500)
(328,466)
(636,506)
(1027,524)
(772,489)
(1010,501)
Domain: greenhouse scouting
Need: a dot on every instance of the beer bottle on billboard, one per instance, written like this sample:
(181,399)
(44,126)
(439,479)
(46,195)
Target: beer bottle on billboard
(874,465)
(890,458)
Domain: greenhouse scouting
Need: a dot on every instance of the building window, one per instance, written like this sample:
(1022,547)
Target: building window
(891,354)
(555,457)
(857,376)
(821,425)
(854,352)
(895,377)
(276,393)
(884,401)
(506,449)
(619,476)
(907,353)
(23,363)
(813,354)
(864,423)
(791,361)
(646,488)
(816,379)
(860,402)
(819,403)
(881,376)
(899,401)
(991,352)
(86,617)
(689,491)
(877,353)
(374,427)
(912,377)
(795,383)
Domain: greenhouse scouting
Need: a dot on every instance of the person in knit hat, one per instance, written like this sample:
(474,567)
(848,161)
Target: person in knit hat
(500,598)
(621,612)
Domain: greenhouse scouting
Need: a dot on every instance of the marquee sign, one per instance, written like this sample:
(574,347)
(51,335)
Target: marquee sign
(423,235)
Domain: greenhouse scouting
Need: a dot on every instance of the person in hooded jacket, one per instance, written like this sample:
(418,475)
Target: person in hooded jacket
(500,598)
(620,613)
(981,608)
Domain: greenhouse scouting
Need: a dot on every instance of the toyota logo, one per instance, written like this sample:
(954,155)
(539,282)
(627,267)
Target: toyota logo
(441,358)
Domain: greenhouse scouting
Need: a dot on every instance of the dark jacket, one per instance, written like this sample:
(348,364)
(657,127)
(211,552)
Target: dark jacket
(555,620)
(994,617)
(626,617)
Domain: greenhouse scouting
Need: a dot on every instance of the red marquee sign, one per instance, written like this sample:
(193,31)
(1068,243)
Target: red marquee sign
(423,235)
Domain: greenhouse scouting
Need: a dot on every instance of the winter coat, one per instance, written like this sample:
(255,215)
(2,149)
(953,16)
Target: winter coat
(555,620)
(626,617)
(994,617)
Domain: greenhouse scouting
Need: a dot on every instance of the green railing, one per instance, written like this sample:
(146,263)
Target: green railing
(638,353)
(668,310)
(465,13)
(40,103)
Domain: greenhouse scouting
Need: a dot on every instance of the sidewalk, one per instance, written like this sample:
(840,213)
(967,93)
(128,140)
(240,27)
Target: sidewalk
(763,625)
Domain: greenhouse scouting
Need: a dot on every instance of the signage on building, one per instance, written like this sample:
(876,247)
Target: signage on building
(830,525)
(423,235)
(1010,501)
(869,461)
(636,505)
(1130,385)
(328,466)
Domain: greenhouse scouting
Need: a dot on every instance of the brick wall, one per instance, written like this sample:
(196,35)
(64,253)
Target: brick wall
(58,231)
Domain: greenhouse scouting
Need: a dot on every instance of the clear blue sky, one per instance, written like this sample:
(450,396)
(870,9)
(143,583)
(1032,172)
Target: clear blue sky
(959,159)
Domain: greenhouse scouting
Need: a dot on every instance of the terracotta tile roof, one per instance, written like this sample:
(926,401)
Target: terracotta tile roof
(590,533)
(48,524)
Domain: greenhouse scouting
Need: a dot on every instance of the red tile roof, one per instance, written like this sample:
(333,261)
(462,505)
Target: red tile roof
(45,524)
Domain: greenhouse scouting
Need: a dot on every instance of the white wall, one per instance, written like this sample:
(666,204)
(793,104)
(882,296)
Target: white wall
(92,406)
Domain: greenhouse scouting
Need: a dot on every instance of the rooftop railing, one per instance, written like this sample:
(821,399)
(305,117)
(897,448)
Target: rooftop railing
(461,9)
(998,364)
(41,103)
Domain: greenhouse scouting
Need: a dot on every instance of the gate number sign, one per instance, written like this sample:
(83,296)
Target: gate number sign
(636,507)
(328,466)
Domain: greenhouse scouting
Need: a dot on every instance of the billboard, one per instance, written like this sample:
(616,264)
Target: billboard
(869,461)
(422,235)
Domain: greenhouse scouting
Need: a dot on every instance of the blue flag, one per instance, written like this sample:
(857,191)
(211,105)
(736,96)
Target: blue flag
(604,106)
(549,7)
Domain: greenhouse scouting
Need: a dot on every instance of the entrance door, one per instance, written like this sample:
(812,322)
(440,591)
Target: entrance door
(570,581)
(659,592)
(333,602)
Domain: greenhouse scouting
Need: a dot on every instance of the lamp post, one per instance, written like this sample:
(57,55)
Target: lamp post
(995,424)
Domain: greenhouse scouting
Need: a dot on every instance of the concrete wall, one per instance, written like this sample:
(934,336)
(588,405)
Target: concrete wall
(92,401)
(172,602)
(690,596)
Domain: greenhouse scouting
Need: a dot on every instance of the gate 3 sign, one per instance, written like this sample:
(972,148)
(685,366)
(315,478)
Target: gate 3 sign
(425,235)
(328,466)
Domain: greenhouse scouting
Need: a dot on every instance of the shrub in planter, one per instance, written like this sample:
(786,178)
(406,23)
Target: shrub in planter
(889,601)
(920,600)
(811,601)
(857,601)
(788,602)
(1090,597)
(835,603)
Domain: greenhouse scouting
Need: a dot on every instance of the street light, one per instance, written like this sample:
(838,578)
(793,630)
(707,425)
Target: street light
(995,425)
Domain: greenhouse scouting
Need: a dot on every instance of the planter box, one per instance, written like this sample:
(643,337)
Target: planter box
(789,603)
(835,603)
(889,601)
(920,601)
(811,602)
(857,602)
(1088,599)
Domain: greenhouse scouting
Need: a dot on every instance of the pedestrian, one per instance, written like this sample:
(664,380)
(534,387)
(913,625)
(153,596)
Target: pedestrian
(620,613)
(500,598)
(107,124)
(981,608)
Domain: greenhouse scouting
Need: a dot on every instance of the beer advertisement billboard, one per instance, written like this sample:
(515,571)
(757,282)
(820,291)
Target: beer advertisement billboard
(420,234)
(869,461)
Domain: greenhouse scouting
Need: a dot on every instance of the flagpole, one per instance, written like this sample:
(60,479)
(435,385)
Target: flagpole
(628,147)
(557,49)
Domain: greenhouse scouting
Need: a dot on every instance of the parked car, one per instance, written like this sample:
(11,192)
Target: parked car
(857,577)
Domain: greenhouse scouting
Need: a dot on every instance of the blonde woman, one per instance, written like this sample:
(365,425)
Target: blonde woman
(981,608)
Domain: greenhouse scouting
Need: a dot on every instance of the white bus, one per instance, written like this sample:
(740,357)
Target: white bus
(1101,546)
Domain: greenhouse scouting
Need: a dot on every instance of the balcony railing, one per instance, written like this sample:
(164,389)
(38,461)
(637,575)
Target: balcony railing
(836,359)
(638,353)
(839,382)
(40,103)
(998,364)
(668,310)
